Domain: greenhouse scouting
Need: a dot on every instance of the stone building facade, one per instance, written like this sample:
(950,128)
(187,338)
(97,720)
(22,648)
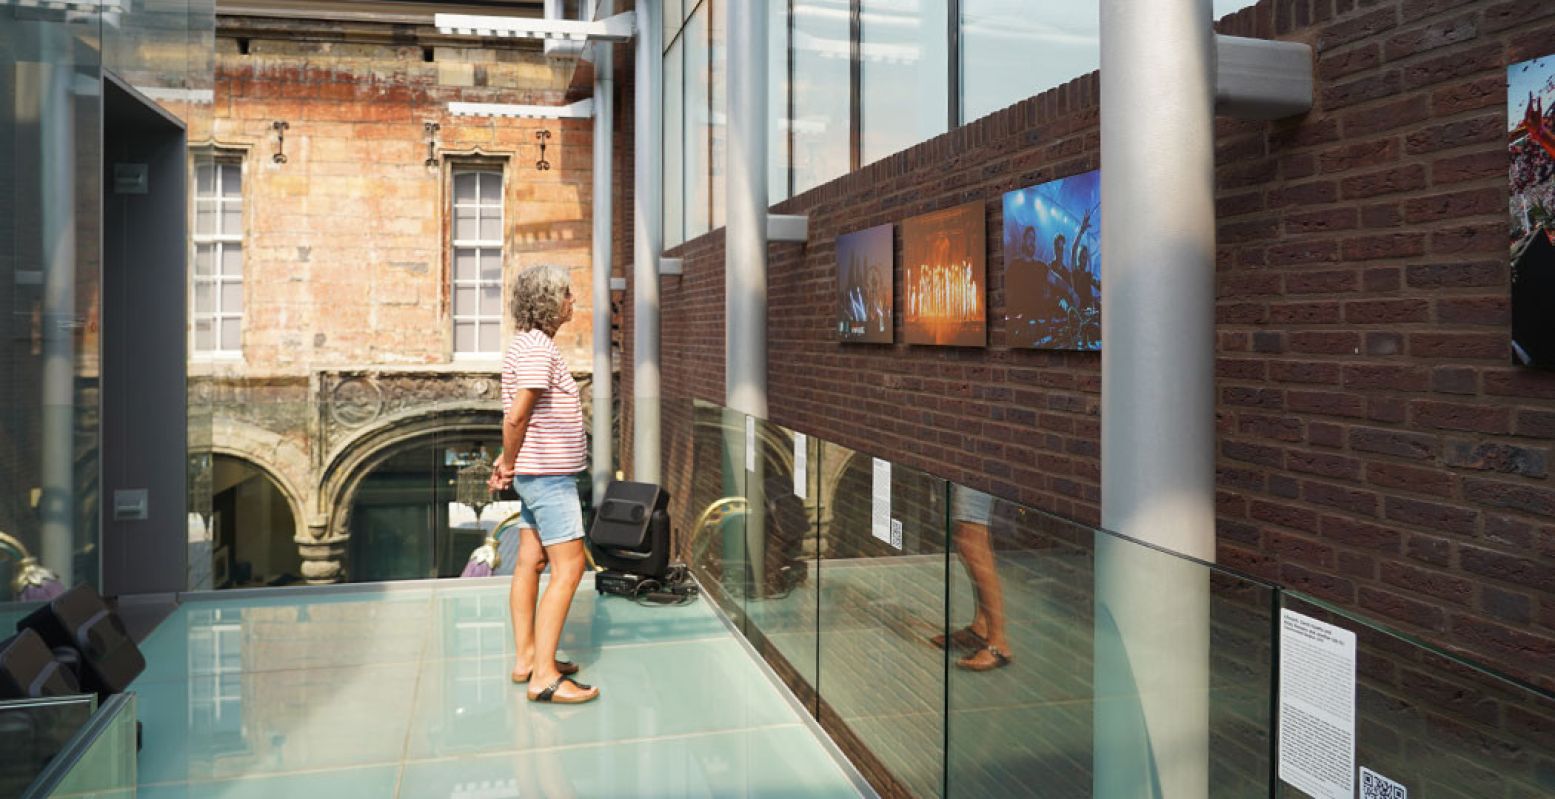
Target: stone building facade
(347,223)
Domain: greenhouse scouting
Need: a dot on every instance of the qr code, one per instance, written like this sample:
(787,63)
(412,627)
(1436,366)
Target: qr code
(1376,786)
(896,533)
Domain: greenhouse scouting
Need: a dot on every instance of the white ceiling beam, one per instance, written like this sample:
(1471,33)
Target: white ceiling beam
(617,28)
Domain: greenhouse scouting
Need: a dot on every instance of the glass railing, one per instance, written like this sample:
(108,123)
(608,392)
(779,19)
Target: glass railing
(99,760)
(953,643)
(34,732)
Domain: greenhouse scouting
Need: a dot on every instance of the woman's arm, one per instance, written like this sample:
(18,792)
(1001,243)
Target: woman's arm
(514,425)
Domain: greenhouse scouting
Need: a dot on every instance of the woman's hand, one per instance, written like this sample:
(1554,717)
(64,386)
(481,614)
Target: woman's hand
(501,476)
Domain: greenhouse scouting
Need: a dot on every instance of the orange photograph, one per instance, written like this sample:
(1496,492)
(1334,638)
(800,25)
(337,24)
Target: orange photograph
(944,265)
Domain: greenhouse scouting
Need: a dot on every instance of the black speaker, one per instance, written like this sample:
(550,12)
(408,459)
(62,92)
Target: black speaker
(632,529)
(28,669)
(79,620)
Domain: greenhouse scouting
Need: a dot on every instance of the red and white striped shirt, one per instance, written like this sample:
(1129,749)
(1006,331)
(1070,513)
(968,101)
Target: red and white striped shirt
(554,443)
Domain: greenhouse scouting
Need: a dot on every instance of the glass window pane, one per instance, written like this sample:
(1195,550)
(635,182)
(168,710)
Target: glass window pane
(465,262)
(491,301)
(205,217)
(491,266)
(232,334)
(232,260)
(674,14)
(205,178)
(464,187)
(464,301)
(203,340)
(905,74)
(822,80)
(466,226)
(231,180)
(674,147)
(491,224)
(1013,49)
(232,298)
(777,102)
(203,293)
(204,258)
(232,219)
(698,159)
(718,93)
(464,336)
(491,188)
(489,338)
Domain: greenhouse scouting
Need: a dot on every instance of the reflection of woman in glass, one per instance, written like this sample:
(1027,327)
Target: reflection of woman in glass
(970,511)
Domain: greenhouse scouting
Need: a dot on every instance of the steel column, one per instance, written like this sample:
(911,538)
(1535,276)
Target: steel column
(602,466)
(1158,402)
(648,240)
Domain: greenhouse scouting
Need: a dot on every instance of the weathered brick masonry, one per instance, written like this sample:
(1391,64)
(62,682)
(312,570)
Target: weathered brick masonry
(1376,447)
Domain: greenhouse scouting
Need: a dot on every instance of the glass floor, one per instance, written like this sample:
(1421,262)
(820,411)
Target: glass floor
(403,691)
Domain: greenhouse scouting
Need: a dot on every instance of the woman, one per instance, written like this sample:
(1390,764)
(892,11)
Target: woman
(542,452)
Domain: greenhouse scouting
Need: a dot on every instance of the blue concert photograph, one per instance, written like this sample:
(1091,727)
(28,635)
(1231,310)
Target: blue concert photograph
(1052,264)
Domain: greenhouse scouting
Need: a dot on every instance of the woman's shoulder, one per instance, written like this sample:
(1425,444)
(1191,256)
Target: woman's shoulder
(531,343)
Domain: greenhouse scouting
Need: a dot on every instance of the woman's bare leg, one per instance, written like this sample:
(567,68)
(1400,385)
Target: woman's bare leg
(521,598)
(567,564)
(975,546)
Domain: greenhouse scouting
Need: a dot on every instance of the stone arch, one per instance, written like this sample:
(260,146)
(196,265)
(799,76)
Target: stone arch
(278,458)
(358,455)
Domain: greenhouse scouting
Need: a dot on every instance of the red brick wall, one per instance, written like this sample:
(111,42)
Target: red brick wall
(1376,449)
(346,243)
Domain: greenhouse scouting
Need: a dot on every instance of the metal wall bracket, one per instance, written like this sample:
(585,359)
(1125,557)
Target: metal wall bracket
(1262,79)
(783,227)
(671,267)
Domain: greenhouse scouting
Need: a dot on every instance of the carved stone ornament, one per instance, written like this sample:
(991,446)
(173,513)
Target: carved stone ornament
(356,401)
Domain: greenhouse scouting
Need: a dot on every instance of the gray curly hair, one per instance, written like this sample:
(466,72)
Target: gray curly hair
(539,294)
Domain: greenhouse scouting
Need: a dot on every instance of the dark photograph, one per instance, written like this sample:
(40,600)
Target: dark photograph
(1052,264)
(865,285)
(1531,145)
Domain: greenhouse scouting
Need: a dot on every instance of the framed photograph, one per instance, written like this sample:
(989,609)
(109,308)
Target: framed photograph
(866,285)
(1530,120)
(1052,264)
(944,269)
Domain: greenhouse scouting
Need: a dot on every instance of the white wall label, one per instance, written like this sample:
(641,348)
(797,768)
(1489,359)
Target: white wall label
(880,505)
(896,533)
(750,443)
(1376,786)
(801,465)
(1317,706)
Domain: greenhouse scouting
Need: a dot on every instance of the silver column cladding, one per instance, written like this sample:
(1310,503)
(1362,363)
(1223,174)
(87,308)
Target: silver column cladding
(648,241)
(602,464)
(745,255)
(1158,403)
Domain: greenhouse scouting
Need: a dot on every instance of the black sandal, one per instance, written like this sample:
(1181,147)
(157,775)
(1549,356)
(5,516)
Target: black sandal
(566,667)
(964,638)
(549,694)
(1000,660)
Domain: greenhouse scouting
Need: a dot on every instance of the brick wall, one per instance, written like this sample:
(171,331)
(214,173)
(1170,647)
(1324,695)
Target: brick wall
(1376,449)
(347,259)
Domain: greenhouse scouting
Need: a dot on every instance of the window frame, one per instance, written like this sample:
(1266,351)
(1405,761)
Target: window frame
(219,241)
(481,249)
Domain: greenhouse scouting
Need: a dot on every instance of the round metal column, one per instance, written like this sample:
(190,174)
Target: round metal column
(648,241)
(602,464)
(1158,401)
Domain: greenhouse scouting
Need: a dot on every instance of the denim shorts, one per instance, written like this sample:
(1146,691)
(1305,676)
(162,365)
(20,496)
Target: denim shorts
(551,506)
(970,505)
